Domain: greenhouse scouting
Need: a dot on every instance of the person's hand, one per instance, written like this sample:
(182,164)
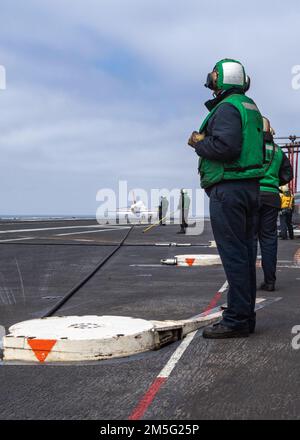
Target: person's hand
(195,138)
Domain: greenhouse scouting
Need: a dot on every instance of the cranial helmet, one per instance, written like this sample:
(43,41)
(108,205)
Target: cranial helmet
(231,73)
(267,126)
(284,189)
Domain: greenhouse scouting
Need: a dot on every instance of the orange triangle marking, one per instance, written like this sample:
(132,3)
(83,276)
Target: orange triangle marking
(41,347)
(190,261)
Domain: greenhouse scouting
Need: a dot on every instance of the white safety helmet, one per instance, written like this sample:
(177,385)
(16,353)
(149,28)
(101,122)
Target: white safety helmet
(231,73)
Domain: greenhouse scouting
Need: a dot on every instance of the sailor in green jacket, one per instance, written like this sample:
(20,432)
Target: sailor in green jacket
(278,171)
(230,149)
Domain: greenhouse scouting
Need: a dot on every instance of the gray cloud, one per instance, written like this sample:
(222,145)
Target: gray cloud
(102,90)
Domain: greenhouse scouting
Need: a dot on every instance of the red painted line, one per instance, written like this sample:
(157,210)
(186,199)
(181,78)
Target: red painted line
(213,303)
(154,388)
(146,401)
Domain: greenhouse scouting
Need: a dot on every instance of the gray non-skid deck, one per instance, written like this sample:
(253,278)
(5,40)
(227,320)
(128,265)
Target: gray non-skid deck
(256,377)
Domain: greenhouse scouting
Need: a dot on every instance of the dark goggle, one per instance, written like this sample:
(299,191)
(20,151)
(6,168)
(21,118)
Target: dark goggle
(209,82)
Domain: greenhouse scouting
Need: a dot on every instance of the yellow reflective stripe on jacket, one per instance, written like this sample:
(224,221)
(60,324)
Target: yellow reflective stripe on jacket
(286,202)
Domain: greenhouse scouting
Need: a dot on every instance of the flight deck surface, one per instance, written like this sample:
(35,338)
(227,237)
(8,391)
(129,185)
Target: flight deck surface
(251,378)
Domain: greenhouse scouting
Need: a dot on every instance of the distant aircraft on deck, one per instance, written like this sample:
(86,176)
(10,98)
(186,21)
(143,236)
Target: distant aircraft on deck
(137,212)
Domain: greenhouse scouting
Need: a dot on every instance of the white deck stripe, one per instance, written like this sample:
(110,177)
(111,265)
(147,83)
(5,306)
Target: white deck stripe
(176,356)
(171,364)
(11,231)
(87,232)
(224,287)
(17,239)
(282,266)
(147,265)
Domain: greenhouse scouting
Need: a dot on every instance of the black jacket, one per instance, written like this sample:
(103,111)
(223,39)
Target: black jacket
(223,141)
(286,171)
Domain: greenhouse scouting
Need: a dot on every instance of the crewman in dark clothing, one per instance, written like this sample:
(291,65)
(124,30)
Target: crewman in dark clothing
(230,147)
(162,210)
(184,207)
(278,171)
(286,215)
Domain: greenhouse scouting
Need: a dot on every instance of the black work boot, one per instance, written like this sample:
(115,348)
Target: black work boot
(220,331)
(269,287)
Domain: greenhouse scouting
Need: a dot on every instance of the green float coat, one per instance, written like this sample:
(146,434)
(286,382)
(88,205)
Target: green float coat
(274,155)
(250,163)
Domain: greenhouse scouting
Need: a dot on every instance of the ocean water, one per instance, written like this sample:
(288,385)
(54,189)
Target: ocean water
(46,217)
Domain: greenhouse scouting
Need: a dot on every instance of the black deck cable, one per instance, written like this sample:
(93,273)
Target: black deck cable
(81,283)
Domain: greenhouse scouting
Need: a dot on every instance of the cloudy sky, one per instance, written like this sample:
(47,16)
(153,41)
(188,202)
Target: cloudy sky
(102,90)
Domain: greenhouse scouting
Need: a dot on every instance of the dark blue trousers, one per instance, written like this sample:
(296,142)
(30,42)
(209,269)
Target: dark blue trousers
(266,233)
(233,208)
(286,224)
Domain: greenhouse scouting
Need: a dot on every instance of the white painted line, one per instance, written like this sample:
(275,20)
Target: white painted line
(224,287)
(164,374)
(145,265)
(21,280)
(171,364)
(86,232)
(169,367)
(11,231)
(17,239)
(295,266)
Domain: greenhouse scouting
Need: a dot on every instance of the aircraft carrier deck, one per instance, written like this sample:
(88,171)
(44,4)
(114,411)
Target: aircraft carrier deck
(251,378)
